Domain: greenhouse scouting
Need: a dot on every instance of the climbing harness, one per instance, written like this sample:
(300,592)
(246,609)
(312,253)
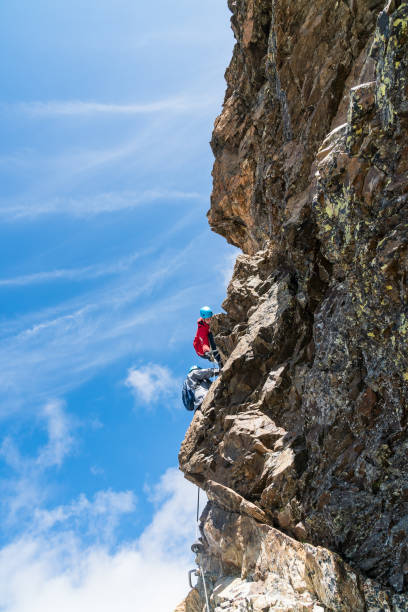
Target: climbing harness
(197,548)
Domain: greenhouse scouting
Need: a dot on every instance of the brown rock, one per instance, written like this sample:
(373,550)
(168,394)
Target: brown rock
(230,500)
(299,531)
(285,517)
(308,426)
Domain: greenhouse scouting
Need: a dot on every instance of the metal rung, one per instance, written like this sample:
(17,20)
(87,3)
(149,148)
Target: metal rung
(195,572)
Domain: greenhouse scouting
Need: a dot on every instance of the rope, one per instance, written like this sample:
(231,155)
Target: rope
(205,589)
(199,566)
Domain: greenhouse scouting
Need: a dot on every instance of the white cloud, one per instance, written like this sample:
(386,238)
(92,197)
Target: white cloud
(176,514)
(179,104)
(100,516)
(57,572)
(152,382)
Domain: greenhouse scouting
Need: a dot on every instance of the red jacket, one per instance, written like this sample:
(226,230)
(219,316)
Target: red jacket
(201,341)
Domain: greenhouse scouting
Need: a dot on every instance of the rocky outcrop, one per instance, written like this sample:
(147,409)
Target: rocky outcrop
(301,443)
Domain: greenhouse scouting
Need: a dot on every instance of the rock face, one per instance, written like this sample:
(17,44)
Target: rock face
(301,444)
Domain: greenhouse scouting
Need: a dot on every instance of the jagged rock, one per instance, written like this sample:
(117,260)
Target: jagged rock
(302,441)
(232,501)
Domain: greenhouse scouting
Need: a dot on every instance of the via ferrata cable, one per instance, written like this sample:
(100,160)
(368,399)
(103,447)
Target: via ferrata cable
(199,566)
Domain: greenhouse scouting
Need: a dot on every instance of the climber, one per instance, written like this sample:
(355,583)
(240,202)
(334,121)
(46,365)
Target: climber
(204,342)
(196,386)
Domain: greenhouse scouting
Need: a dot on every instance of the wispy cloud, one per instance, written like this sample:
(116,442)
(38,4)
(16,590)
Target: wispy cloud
(95,271)
(25,489)
(73,274)
(63,346)
(96,204)
(180,104)
(145,151)
(60,440)
(152,383)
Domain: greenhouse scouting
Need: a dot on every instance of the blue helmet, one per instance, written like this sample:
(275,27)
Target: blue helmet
(194,367)
(206,312)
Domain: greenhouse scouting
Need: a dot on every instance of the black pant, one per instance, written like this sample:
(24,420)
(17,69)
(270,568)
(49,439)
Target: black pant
(214,349)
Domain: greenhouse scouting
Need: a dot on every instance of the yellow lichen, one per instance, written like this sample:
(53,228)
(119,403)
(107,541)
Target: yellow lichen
(382,89)
(329,210)
(402,22)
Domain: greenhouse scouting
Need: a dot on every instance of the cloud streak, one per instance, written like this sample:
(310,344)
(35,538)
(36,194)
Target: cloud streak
(73,274)
(180,105)
(89,206)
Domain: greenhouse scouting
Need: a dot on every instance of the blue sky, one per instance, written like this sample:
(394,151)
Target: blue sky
(106,257)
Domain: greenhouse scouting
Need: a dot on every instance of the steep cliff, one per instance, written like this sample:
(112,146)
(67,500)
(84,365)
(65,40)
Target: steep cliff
(301,444)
